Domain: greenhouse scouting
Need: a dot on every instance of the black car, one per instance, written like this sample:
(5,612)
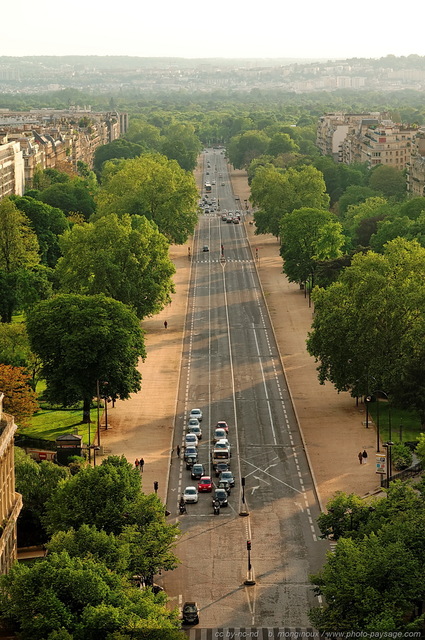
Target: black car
(221,466)
(197,471)
(190,613)
(190,461)
(221,496)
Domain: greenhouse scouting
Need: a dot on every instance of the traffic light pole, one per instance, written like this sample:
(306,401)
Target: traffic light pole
(250,573)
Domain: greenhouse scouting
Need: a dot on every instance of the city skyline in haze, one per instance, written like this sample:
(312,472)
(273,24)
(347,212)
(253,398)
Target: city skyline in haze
(191,29)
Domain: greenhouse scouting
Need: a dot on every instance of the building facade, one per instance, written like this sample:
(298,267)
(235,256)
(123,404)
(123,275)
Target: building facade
(416,167)
(10,501)
(49,138)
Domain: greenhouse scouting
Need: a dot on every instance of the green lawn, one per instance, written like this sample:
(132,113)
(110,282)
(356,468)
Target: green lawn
(48,424)
(408,420)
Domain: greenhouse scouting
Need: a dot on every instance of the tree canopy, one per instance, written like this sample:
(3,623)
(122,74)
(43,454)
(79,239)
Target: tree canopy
(20,400)
(154,187)
(125,258)
(368,325)
(82,339)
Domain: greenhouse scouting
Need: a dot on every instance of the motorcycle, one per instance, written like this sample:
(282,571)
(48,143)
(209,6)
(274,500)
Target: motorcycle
(216,508)
(182,508)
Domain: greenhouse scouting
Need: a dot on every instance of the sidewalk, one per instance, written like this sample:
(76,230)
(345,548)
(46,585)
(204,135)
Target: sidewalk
(330,422)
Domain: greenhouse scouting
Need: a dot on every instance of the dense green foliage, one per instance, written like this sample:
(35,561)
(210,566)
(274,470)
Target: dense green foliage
(374,580)
(83,339)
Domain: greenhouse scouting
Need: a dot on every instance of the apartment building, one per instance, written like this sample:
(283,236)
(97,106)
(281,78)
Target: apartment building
(416,166)
(12,174)
(382,143)
(49,138)
(10,501)
(333,128)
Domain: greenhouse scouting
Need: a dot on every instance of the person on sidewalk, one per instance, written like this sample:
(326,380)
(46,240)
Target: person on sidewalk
(360,457)
(178,451)
(141,464)
(364,454)
(165,324)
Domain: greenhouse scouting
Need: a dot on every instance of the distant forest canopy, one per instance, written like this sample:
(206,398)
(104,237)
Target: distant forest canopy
(406,106)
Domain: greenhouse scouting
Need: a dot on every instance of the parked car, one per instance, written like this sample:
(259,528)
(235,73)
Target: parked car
(227,475)
(235,220)
(190,613)
(221,496)
(197,471)
(190,494)
(205,484)
(205,247)
(196,413)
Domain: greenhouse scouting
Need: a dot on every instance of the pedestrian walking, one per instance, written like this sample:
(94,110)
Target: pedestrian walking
(364,454)
(360,456)
(165,324)
(141,464)
(136,463)
(178,451)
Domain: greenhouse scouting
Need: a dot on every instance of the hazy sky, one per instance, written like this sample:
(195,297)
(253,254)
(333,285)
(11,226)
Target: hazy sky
(196,29)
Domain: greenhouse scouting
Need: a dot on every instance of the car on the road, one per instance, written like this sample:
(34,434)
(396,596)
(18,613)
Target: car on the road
(196,413)
(222,424)
(196,429)
(193,422)
(191,460)
(206,210)
(227,475)
(191,440)
(205,484)
(221,496)
(205,248)
(224,218)
(223,443)
(235,220)
(219,434)
(197,471)
(212,181)
(223,184)
(190,494)
(190,613)
(220,467)
(224,484)
(229,219)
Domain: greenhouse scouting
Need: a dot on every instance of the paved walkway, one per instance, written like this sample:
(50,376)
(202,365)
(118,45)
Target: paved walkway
(331,423)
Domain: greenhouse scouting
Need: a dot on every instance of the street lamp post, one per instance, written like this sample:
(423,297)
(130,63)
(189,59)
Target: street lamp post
(388,446)
(375,393)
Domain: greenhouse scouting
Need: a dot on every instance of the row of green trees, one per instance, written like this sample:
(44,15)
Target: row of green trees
(104,536)
(86,276)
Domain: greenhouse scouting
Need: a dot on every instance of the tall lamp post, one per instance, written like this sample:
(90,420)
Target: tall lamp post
(375,393)
(388,446)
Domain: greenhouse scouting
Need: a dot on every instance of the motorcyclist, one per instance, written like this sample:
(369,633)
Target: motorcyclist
(182,505)
(216,505)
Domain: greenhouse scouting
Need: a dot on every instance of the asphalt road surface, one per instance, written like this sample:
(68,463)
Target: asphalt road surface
(231,370)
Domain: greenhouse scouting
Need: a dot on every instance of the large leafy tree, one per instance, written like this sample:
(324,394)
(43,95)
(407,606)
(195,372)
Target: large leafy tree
(20,400)
(373,581)
(19,257)
(125,258)
(120,148)
(154,187)
(36,482)
(82,339)
(368,325)
(73,196)
(308,235)
(109,498)
(389,181)
(48,223)
(244,147)
(278,192)
(81,597)
(180,143)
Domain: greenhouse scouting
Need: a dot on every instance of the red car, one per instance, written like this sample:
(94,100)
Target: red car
(222,425)
(205,484)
